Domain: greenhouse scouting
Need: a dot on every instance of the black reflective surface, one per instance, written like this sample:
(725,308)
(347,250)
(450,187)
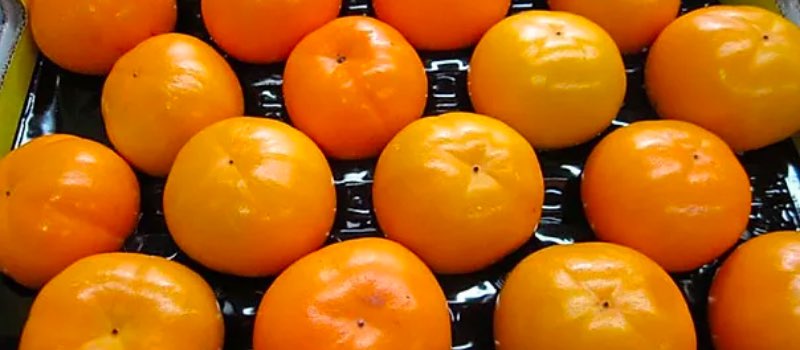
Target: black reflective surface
(69,103)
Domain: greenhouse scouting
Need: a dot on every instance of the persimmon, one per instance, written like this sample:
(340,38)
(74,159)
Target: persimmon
(442,24)
(368,293)
(249,196)
(634,24)
(670,189)
(89,36)
(62,198)
(163,92)
(125,301)
(460,190)
(555,77)
(754,295)
(739,78)
(264,31)
(352,85)
(596,296)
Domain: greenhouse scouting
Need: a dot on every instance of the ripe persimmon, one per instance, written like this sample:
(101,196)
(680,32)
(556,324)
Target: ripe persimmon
(163,92)
(555,77)
(264,31)
(441,24)
(368,293)
(596,296)
(732,70)
(249,196)
(669,189)
(125,301)
(754,297)
(352,85)
(460,190)
(62,198)
(634,24)
(88,36)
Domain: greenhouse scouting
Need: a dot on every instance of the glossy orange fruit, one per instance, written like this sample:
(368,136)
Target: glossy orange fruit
(125,301)
(249,196)
(668,189)
(162,93)
(460,190)
(368,293)
(265,31)
(555,77)
(739,78)
(442,24)
(62,198)
(352,85)
(596,296)
(755,295)
(634,24)
(88,36)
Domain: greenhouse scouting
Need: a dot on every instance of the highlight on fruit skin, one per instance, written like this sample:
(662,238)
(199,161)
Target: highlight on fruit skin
(739,76)
(460,190)
(125,301)
(88,36)
(367,293)
(634,24)
(62,198)
(272,197)
(583,295)
(669,189)
(757,282)
(555,77)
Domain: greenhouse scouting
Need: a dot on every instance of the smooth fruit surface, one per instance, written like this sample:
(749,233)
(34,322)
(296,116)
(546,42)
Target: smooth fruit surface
(362,294)
(264,31)
(163,92)
(62,198)
(88,36)
(591,296)
(634,24)
(442,24)
(755,295)
(739,78)
(272,190)
(668,189)
(555,77)
(460,190)
(352,85)
(125,301)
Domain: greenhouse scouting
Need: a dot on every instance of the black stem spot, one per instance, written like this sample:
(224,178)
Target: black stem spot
(476,169)
(606,305)
(361,323)
(558,33)
(765,37)
(114,331)
(230,161)
(8,193)
(340,59)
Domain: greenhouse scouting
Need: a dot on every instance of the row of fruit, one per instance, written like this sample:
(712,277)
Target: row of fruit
(453,194)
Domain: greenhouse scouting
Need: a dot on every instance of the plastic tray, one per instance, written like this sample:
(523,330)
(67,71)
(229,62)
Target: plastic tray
(63,102)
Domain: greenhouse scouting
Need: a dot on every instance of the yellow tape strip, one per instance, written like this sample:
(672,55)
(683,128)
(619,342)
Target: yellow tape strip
(15,85)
